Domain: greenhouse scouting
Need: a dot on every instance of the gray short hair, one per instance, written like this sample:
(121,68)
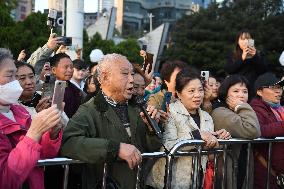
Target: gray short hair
(106,63)
(5,53)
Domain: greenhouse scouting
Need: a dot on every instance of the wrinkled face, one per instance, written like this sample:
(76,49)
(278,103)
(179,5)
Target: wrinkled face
(138,85)
(214,86)
(192,95)
(172,83)
(119,81)
(27,81)
(79,74)
(7,71)
(243,40)
(64,69)
(271,93)
(239,92)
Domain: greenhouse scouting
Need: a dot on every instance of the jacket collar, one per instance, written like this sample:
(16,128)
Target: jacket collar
(102,106)
(22,117)
(179,108)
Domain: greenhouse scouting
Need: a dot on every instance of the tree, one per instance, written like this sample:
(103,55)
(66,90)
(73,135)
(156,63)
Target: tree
(204,39)
(128,48)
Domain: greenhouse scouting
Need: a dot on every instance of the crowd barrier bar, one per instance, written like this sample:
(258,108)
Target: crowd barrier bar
(174,153)
(65,162)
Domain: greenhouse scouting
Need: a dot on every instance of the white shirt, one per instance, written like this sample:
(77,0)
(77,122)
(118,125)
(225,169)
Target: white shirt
(81,86)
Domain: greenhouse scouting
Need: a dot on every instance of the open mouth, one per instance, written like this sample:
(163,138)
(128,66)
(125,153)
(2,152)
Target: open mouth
(130,89)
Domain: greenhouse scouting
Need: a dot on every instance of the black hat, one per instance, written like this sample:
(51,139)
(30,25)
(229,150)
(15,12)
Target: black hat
(267,79)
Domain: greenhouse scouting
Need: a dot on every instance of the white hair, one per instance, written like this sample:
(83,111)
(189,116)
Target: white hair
(105,65)
(5,53)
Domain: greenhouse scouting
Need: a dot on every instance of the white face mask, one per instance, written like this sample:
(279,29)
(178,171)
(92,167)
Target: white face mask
(10,92)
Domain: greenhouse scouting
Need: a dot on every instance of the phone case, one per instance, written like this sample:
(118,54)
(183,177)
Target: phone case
(58,94)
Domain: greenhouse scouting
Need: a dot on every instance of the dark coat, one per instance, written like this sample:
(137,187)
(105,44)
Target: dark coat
(270,128)
(94,134)
(250,68)
(72,98)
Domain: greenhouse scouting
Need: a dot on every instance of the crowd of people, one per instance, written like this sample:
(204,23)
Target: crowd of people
(101,121)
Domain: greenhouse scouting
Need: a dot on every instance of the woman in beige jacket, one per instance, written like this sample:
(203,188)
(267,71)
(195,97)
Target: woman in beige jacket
(187,121)
(236,116)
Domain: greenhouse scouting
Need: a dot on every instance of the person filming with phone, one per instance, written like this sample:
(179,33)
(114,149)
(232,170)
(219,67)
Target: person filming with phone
(23,141)
(246,60)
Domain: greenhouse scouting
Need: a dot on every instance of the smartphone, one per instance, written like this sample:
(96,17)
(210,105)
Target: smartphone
(66,41)
(204,75)
(250,42)
(148,60)
(58,93)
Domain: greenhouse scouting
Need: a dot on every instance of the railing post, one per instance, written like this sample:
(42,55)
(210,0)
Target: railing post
(65,178)
(215,168)
(104,176)
(248,165)
(193,167)
(268,165)
(168,174)
(198,166)
(224,176)
(138,181)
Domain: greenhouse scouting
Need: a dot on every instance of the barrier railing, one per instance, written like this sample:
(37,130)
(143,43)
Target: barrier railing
(176,152)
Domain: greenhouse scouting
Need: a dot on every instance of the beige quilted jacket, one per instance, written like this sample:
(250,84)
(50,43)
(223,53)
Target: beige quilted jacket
(178,128)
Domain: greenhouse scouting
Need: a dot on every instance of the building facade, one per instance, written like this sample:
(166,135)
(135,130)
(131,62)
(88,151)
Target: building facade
(136,14)
(24,9)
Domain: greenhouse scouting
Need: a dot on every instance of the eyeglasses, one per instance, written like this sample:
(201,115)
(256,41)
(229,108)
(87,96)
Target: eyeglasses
(273,87)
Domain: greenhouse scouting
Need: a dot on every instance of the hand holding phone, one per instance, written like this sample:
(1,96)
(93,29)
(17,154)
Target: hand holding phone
(58,94)
(204,75)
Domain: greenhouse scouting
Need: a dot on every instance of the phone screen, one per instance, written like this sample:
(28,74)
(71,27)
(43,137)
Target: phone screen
(58,94)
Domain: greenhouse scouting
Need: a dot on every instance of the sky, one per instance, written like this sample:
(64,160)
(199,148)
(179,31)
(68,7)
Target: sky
(89,5)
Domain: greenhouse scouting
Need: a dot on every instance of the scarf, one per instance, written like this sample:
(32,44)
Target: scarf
(277,110)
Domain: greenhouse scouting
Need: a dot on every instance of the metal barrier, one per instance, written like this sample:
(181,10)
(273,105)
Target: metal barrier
(176,153)
(65,162)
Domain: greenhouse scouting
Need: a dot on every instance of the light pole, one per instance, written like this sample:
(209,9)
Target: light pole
(150,17)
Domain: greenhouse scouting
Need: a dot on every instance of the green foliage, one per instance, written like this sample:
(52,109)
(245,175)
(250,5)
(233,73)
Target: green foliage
(205,39)
(128,48)
(29,34)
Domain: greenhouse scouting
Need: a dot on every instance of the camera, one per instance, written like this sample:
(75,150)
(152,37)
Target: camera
(204,75)
(51,18)
(66,41)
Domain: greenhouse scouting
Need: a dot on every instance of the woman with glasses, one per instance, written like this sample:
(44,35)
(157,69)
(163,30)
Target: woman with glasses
(270,114)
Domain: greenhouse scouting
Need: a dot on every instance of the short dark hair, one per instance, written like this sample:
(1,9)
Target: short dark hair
(168,68)
(79,64)
(23,64)
(92,65)
(229,82)
(184,77)
(137,69)
(56,58)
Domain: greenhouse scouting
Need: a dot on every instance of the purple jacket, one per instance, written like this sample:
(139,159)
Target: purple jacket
(270,128)
(19,154)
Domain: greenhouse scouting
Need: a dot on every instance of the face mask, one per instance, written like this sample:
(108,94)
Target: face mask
(10,92)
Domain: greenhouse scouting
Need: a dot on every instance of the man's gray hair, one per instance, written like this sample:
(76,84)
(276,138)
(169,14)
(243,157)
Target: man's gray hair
(5,53)
(107,62)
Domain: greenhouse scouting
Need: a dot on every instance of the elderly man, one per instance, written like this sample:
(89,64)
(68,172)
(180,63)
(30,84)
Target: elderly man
(109,128)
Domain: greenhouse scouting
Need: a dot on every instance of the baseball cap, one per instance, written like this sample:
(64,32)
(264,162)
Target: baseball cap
(96,55)
(267,79)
